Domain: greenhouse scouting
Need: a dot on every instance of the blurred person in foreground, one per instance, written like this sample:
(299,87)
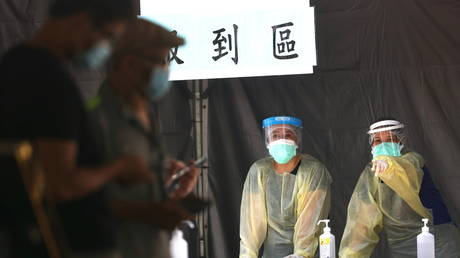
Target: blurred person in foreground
(138,77)
(40,102)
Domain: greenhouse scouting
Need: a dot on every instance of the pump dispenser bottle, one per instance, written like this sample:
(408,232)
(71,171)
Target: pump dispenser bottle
(326,242)
(425,242)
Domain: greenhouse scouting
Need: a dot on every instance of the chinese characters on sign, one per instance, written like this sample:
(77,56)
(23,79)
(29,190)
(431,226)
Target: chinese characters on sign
(253,38)
(172,55)
(221,40)
(283,47)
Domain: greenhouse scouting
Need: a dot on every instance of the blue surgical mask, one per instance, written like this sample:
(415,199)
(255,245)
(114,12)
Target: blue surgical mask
(387,149)
(96,56)
(159,83)
(282,151)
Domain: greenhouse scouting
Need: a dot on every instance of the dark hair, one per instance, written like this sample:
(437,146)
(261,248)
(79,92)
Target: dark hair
(100,11)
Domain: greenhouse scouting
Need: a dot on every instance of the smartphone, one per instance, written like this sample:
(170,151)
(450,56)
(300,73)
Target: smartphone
(186,169)
(176,177)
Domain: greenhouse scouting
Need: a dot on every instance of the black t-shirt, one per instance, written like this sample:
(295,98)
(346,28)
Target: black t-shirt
(39,99)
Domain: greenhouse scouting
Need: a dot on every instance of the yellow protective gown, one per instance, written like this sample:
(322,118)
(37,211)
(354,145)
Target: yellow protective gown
(391,202)
(281,210)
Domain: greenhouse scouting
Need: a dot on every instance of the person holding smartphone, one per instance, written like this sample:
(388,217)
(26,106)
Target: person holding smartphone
(138,77)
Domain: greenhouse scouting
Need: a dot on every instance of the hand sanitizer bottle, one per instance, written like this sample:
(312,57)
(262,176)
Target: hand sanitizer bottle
(425,242)
(326,242)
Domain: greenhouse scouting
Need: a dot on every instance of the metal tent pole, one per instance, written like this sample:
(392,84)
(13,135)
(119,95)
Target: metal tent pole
(199,109)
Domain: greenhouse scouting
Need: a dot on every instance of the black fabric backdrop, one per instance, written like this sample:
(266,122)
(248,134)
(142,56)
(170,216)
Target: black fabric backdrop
(375,58)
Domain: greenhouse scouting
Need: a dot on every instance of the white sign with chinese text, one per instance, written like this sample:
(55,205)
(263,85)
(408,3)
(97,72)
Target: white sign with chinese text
(236,39)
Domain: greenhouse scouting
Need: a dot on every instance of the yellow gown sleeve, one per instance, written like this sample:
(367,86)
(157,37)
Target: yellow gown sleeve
(253,215)
(403,178)
(414,158)
(313,204)
(364,220)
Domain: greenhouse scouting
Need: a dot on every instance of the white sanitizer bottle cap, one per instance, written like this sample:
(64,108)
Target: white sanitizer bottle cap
(425,228)
(326,228)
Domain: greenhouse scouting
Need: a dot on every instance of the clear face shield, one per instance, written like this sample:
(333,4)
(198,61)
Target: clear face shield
(386,138)
(282,137)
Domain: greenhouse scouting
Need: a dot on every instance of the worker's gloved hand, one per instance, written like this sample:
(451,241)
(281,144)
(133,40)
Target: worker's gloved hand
(293,256)
(379,166)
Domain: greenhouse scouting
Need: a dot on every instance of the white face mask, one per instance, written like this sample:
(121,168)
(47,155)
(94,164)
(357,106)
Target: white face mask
(96,56)
(159,83)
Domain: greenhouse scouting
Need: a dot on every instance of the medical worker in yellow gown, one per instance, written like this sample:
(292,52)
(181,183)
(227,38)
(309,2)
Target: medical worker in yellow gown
(284,196)
(387,198)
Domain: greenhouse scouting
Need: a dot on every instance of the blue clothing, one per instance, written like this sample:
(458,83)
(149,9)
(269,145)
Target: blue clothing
(432,199)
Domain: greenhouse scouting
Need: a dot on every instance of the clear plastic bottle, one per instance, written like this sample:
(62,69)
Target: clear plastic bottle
(425,242)
(326,242)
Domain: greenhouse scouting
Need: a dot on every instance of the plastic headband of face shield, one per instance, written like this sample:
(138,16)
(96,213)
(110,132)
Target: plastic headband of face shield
(282,127)
(394,127)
